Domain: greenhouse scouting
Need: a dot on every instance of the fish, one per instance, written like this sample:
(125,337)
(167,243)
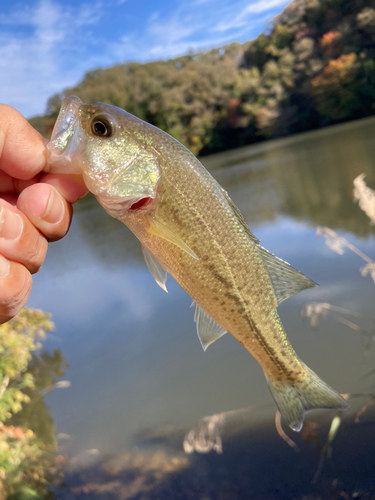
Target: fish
(190,228)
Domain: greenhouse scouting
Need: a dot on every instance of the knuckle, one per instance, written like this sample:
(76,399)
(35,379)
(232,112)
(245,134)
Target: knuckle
(29,249)
(35,254)
(14,296)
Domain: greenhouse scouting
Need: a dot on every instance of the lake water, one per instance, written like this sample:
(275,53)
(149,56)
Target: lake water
(140,381)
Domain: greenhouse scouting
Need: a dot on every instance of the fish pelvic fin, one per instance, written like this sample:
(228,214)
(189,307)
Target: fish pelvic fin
(296,398)
(155,268)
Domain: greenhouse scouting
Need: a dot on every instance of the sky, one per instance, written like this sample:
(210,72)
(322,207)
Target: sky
(48,45)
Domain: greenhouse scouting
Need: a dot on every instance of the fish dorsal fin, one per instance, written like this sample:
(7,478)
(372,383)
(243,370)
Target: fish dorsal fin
(286,280)
(155,268)
(159,229)
(239,216)
(207,329)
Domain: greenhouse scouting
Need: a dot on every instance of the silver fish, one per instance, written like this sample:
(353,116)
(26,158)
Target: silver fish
(191,229)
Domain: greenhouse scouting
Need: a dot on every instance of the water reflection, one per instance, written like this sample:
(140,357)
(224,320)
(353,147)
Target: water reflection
(29,463)
(316,311)
(140,380)
(308,177)
(46,368)
(365,197)
(124,476)
(100,232)
(255,462)
(207,435)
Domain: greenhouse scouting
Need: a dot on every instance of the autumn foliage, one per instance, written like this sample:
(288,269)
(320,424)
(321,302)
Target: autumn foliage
(328,38)
(333,90)
(27,436)
(313,66)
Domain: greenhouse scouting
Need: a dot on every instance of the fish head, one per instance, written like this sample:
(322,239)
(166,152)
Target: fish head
(109,148)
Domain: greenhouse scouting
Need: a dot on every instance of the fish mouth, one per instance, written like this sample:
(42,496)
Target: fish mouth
(66,137)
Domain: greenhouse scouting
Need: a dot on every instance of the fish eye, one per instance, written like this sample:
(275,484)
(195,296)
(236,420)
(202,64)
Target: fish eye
(102,127)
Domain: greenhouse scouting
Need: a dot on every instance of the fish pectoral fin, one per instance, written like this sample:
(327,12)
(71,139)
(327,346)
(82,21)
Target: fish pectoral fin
(155,268)
(286,280)
(207,329)
(157,228)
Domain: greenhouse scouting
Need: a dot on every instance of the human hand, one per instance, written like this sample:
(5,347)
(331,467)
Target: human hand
(34,208)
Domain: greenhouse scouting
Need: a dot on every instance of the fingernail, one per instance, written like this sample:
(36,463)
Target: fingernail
(4,267)
(55,209)
(11,224)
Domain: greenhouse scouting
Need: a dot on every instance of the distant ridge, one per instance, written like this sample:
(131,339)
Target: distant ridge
(313,66)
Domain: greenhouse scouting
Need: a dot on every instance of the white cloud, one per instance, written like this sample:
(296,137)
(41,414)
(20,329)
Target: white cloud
(164,47)
(197,25)
(171,30)
(33,62)
(244,17)
(175,36)
(84,292)
(46,46)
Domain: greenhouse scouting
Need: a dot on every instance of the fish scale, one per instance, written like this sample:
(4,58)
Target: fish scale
(190,228)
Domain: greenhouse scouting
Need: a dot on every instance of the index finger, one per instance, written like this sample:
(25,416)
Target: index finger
(23,150)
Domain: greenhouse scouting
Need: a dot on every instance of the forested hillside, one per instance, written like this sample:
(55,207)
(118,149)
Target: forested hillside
(314,65)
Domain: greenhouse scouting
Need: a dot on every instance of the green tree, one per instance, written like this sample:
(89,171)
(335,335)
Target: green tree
(312,66)
(27,442)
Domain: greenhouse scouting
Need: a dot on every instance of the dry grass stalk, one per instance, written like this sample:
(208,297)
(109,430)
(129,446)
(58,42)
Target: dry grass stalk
(337,244)
(363,410)
(365,197)
(206,436)
(282,434)
(327,450)
(318,310)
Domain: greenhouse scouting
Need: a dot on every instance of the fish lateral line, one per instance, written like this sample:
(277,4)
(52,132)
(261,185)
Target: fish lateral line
(124,171)
(269,351)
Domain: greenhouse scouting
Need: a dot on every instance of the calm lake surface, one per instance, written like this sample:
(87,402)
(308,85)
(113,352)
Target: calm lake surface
(140,380)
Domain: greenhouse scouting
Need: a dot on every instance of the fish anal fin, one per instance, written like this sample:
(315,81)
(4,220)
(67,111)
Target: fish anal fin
(207,329)
(159,229)
(296,398)
(286,280)
(155,268)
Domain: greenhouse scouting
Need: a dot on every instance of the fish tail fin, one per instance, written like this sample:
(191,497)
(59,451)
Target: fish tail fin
(296,398)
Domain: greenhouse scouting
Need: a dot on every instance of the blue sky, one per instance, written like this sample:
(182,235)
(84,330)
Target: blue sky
(47,45)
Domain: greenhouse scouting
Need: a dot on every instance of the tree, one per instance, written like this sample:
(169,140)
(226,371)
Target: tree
(335,89)
(27,444)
